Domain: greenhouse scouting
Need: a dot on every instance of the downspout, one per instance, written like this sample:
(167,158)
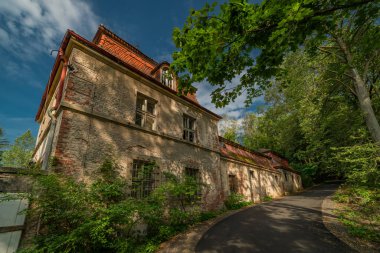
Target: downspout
(52,111)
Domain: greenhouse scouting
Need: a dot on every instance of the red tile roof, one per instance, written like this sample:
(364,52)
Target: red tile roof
(268,160)
(278,161)
(238,152)
(126,52)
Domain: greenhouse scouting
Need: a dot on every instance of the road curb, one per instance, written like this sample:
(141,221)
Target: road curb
(188,240)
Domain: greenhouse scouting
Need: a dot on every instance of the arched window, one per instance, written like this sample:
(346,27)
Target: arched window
(167,78)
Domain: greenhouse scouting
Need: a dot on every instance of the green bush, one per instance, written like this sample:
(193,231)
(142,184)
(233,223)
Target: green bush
(102,217)
(359,163)
(361,214)
(235,201)
(267,198)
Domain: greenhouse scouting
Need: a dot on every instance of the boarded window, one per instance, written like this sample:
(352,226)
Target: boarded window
(188,128)
(232,182)
(145,178)
(145,111)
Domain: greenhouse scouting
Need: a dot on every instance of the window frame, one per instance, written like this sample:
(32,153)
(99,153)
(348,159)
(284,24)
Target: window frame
(166,78)
(195,174)
(144,113)
(233,184)
(187,130)
(143,185)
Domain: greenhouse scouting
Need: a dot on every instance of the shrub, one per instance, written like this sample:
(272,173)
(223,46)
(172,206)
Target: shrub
(267,198)
(361,214)
(235,201)
(359,163)
(102,217)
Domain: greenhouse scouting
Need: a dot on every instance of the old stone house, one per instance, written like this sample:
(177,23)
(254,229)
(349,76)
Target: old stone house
(105,97)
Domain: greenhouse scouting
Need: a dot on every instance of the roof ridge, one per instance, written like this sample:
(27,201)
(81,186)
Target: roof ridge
(122,41)
(69,33)
(237,145)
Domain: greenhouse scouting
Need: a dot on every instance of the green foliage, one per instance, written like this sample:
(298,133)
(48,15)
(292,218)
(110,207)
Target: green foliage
(3,144)
(267,198)
(256,38)
(361,211)
(236,201)
(212,39)
(102,217)
(20,153)
(309,120)
(359,163)
(230,129)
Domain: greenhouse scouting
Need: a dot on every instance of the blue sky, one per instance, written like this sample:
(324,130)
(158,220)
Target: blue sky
(30,29)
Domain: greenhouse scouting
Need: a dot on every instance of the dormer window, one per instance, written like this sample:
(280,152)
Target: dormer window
(167,78)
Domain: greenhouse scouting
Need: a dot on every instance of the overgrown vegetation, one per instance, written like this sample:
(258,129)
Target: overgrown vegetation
(316,62)
(236,201)
(361,212)
(103,217)
(3,144)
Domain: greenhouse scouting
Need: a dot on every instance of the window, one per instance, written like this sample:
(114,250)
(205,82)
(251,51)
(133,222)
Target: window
(251,175)
(286,176)
(145,178)
(167,78)
(188,128)
(232,182)
(145,111)
(194,175)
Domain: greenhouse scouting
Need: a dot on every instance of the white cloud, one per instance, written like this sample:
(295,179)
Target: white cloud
(4,38)
(235,110)
(35,27)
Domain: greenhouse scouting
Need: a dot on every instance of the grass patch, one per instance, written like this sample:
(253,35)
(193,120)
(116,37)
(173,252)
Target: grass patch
(361,212)
(236,201)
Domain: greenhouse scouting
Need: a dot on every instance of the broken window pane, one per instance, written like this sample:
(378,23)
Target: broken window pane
(188,125)
(145,109)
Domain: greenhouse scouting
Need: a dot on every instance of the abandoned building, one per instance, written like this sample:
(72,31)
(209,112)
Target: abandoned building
(105,97)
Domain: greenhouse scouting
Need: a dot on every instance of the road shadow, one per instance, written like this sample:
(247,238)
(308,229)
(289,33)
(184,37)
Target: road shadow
(292,224)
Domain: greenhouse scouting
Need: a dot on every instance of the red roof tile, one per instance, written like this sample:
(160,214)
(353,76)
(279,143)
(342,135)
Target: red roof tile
(235,151)
(126,52)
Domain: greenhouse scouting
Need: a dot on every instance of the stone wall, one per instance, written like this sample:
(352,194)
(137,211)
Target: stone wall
(96,120)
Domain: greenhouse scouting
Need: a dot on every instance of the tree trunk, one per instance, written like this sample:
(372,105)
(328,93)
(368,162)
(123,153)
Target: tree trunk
(362,95)
(366,106)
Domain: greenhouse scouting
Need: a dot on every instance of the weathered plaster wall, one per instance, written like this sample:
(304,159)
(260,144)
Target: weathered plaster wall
(97,120)
(256,183)
(43,130)
(104,90)
(291,182)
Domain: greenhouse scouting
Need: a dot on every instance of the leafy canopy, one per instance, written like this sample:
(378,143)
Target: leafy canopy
(20,153)
(251,40)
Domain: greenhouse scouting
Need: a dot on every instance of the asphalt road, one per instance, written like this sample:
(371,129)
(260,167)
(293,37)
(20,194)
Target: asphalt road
(292,224)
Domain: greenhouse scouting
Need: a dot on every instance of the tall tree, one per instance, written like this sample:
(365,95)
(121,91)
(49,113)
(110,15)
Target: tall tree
(309,116)
(229,129)
(3,144)
(251,40)
(20,153)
